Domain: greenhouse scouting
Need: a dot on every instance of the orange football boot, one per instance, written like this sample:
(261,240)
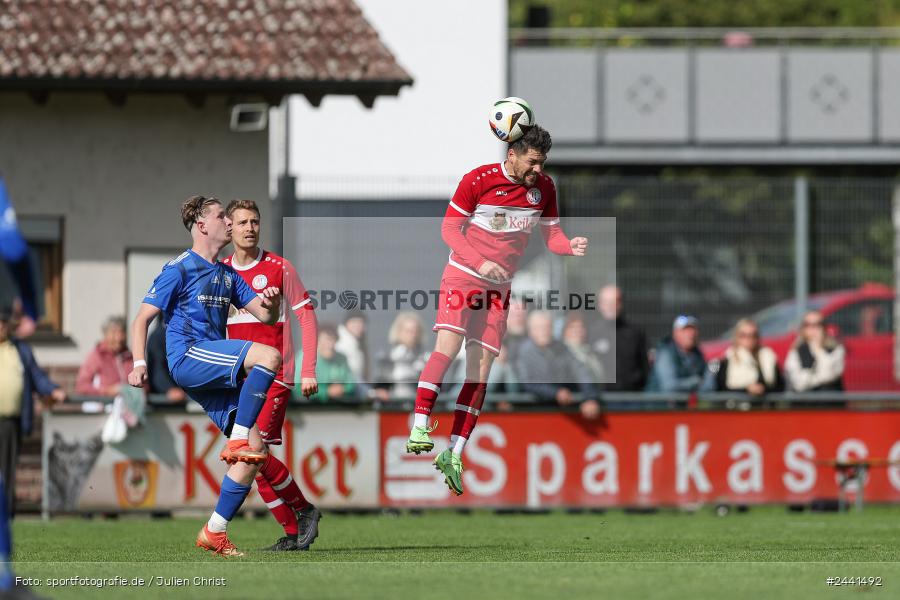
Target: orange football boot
(240,451)
(217,542)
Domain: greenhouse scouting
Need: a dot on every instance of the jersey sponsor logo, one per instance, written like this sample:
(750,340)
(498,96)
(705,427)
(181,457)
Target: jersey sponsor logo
(498,221)
(215,301)
(260,281)
(533,196)
(151,293)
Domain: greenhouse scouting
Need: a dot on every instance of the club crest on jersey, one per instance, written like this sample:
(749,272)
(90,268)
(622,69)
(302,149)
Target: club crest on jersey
(227,280)
(260,281)
(533,196)
(498,221)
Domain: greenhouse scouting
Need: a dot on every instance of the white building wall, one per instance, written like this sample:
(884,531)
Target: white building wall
(118,176)
(424,140)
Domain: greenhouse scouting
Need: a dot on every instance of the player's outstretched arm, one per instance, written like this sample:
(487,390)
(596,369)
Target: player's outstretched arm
(266,306)
(558,243)
(145,316)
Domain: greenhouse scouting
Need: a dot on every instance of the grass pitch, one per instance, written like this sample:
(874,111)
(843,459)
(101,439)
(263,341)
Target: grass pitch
(766,552)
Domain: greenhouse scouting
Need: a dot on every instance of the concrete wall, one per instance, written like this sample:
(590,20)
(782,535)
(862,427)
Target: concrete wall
(422,142)
(118,176)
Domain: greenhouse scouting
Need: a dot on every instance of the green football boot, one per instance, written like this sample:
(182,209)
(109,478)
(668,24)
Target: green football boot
(451,466)
(419,441)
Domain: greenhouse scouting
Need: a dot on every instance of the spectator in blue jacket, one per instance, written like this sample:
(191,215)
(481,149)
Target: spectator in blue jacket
(20,377)
(679,365)
(547,368)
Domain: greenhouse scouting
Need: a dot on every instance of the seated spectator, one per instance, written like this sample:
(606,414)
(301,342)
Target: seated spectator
(574,336)
(20,379)
(547,368)
(336,379)
(399,367)
(747,366)
(679,364)
(352,343)
(160,379)
(106,368)
(617,341)
(816,361)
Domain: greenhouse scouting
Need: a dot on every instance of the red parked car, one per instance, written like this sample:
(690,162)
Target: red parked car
(862,319)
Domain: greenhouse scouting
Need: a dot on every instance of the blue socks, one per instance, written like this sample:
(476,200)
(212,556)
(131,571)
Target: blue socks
(251,400)
(6,576)
(230,499)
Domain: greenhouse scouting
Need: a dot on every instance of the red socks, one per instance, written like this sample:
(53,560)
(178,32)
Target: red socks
(280,493)
(430,383)
(468,407)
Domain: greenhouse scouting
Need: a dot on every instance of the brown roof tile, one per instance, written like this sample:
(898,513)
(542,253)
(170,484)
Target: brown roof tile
(293,45)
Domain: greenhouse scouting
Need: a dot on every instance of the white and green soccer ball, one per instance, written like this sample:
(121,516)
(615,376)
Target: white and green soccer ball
(510,119)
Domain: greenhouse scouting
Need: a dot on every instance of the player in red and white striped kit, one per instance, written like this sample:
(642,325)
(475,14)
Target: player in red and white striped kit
(261,269)
(487,227)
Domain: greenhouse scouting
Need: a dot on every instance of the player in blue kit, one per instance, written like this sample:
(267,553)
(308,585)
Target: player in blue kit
(194,292)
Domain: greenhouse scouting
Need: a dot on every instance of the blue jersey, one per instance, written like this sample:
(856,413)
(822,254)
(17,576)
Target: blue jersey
(194,295)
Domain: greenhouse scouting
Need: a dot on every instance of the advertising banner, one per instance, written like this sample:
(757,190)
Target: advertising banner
(643,459)
(172,462)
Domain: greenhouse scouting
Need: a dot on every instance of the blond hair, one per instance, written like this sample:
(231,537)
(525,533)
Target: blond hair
(241,204)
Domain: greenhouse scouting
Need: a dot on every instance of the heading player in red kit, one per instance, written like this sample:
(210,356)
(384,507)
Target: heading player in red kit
(261,269)
(487,227)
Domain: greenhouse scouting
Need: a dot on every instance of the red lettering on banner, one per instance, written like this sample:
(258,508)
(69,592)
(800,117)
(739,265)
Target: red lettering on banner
(197,463)
(341,458)
(311,465)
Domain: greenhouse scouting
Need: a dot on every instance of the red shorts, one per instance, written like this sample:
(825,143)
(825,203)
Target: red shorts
(474,308)
(271,417)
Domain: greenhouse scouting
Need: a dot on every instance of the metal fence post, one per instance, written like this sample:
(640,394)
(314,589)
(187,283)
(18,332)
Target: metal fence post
(801,244)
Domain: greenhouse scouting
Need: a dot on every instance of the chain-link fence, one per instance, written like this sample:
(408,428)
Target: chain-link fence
(722,249)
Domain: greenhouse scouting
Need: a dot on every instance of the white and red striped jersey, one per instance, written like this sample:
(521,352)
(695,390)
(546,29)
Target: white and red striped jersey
(270,270)
(491,217)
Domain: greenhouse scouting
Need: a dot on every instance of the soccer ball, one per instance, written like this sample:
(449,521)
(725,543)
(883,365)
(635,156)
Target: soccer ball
(510,119)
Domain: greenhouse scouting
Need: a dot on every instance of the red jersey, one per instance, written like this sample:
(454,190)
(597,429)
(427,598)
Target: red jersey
(271,270)
(496,215)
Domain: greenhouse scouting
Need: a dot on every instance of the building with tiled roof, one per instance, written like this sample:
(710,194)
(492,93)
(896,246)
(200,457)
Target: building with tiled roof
(112,112)
(267,47)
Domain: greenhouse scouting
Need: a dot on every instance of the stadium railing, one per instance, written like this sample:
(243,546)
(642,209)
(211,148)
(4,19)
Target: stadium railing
(612,402)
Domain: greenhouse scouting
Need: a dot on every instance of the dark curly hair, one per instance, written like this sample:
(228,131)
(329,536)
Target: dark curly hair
(536,138)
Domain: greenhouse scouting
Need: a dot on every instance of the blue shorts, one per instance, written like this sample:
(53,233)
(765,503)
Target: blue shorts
(208,372)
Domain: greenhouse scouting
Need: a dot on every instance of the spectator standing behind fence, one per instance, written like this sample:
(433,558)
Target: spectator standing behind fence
(747,366)
(161,381)
(106,368)
(621,346)
(679,365)
(20,378)
(351,342)
(400,366)
(547,368)
(574,336)
(333,372)
(816,361)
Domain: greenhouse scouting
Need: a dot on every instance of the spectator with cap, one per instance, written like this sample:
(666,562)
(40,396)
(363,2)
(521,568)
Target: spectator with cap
(679,364)
(618,342)
(106,368)
(20,379)
(547,368)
